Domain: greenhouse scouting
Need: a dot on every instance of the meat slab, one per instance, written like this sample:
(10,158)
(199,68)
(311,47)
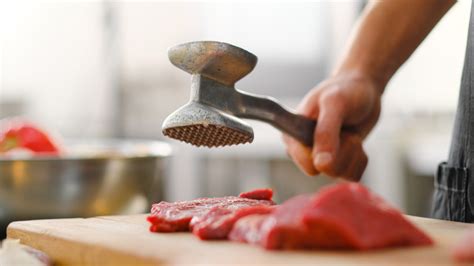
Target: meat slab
(248,229)
(283,229)
(218,222)
(259,194)
(221,213)
(343,216)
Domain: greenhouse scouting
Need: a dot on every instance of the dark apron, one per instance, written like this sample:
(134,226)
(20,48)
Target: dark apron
(453,198)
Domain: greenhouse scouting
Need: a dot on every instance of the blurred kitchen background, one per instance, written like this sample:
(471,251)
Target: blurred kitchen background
(100,69)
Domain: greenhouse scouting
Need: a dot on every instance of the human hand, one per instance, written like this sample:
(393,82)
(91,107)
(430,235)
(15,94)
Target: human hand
(351,100)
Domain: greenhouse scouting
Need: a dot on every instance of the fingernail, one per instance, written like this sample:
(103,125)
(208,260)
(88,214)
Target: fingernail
(322,158)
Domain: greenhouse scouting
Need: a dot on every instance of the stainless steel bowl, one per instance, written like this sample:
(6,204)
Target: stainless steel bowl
(99,177)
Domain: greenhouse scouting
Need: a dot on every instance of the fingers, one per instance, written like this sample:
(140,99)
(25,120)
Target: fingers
(333,153)
(355,158)
(301,155)
(309,106)
(350,161)
(328,132)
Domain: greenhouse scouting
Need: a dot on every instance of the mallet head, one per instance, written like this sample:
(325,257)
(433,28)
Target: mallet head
(196,122)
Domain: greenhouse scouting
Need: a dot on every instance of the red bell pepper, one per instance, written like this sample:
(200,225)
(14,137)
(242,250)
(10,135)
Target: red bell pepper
(27,136)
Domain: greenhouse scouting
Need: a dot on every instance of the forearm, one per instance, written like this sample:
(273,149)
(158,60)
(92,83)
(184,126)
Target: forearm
(387,34)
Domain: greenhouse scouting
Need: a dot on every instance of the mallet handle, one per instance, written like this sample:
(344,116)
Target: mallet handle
(269,110)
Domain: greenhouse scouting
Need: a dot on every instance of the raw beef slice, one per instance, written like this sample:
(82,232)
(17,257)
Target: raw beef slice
(281,229)
(353,217)
(217,223)
(248,229)
(175,217)
(344,216)
(260,194)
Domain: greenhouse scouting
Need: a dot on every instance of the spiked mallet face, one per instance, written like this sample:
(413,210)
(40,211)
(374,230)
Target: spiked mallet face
(201,125)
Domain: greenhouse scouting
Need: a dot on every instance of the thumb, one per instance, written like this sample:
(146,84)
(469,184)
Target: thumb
(327,133)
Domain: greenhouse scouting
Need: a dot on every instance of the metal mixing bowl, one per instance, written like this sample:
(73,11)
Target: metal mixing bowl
(93,178)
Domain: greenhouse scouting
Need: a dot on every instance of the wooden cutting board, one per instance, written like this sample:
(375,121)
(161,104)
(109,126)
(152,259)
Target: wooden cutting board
(125,240)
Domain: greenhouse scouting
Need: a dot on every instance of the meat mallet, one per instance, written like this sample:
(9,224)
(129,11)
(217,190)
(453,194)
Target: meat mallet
(211,117)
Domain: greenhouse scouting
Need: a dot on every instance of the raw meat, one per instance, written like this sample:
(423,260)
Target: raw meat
(281,229)
(346,216)
(174,217)
(464,250)
(260,194)
(248,229)
(353,217)
(217,223)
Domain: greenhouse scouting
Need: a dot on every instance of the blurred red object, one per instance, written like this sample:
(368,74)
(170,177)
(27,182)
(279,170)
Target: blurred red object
(24,135)
(463,251)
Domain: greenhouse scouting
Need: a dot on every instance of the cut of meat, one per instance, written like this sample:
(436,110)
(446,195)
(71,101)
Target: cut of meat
(343,216)
(353,217)
(217,223)
(346,216)
(284,228)
(174,217)
(281,229)
(248,229)
(260,194)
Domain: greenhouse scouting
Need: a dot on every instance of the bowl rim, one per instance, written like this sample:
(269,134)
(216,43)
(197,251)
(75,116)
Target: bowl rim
(157,149)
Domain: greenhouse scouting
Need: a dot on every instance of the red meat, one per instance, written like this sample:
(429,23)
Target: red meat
(260,194)
(217,223)
(281,229)
(353,217)
(342,216)
(174,217)
(248,229)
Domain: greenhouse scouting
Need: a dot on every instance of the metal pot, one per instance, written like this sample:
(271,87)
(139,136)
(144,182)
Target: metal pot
(99,177)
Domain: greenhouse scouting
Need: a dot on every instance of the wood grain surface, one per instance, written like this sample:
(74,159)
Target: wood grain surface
(125,240)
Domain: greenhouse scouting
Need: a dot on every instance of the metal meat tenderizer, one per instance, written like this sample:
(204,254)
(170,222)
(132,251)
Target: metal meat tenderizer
(211,117)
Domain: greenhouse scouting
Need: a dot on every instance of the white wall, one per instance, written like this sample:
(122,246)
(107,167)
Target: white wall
(284,31)
(53,59)
(430,80)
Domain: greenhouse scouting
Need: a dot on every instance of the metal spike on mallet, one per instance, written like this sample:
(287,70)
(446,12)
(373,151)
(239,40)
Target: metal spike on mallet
(211,117)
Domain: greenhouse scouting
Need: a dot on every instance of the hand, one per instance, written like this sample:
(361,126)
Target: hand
(351,100)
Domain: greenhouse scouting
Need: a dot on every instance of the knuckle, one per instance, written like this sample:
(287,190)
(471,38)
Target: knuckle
(309,103)
(352,141)
(334,97)
(325,142)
